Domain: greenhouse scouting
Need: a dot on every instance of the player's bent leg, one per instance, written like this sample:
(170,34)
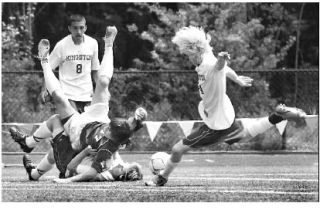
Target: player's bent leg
(44,132)
(254,126)
(63,106)
(45,165)
(177,152)
(28,143)
(101,94)
(20,138)
(259,125)
(63,152)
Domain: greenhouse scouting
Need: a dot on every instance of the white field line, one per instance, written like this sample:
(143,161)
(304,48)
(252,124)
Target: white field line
(166,189)
(227,179)
(256,174)
(246,179)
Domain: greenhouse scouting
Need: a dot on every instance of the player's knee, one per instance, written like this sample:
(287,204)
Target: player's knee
(103,81)
(53,121)
(59,98)
(50,157)
(177,151)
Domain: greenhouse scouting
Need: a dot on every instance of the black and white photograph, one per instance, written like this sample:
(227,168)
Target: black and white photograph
(160,102)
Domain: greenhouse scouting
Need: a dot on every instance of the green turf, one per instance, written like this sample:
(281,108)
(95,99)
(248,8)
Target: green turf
(199,178)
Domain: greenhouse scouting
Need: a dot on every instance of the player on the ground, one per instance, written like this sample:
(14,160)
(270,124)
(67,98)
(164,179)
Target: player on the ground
(113,169)
(215,108)
(76,55)
(92,127)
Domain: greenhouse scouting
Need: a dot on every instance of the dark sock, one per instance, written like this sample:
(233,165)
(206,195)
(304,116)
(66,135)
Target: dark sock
(274,118)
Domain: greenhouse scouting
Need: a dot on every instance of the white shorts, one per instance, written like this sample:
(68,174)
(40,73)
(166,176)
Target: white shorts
(73,127)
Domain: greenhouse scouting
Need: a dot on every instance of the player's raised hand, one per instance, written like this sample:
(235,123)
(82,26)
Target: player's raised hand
(140,114)
(244,81)
(111,33)
(224,55)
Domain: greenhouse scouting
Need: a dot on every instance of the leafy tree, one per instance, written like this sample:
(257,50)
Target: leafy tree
(17,40)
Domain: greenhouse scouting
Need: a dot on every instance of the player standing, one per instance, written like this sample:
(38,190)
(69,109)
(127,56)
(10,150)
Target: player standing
(76,55)
(215,108)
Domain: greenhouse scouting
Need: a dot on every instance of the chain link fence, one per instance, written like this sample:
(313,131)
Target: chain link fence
(173,96)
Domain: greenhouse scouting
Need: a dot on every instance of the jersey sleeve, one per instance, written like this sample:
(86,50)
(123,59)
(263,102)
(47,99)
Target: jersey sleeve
(95,64)
(55,57)
(102,155)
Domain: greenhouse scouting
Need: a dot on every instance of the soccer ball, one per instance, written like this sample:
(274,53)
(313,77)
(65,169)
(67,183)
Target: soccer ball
(158,161)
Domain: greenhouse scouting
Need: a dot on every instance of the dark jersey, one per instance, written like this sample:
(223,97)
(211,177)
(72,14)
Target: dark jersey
(93,134)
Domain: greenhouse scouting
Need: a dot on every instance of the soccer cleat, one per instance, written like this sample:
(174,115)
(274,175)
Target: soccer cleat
(111,33)
(28,165)
(157,180)
(43,49)
(289,112)
(20,138)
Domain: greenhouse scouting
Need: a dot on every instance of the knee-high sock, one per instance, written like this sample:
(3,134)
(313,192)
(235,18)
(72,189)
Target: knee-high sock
(170,166)
(43,167)
(40,135)
(106,68)
(52,83)
(258,126)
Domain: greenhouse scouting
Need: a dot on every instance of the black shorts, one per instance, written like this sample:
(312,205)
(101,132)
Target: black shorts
(62,152)
(79,105)
(204,136)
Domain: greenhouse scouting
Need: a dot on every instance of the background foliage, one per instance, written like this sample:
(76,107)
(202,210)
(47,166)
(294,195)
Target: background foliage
(259,36)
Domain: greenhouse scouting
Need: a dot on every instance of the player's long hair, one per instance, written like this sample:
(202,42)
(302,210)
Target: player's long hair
(120,129)
(192,40)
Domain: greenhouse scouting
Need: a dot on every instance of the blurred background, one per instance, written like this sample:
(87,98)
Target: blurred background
(275,43)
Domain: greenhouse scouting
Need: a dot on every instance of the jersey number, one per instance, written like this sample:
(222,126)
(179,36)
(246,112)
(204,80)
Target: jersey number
(79,68)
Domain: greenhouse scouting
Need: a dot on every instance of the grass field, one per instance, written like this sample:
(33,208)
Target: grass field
(199,178)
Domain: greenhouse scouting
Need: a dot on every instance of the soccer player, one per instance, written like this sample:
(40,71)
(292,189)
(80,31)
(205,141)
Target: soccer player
(215,108)
(113,169)
(92,127)
(76,55)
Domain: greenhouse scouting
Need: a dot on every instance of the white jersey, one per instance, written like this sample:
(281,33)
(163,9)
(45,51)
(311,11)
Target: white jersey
(215,108)
(75,64)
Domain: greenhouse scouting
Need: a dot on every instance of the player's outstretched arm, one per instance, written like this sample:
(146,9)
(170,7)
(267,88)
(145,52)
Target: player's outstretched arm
(72,166)
(90,174)
(243,81)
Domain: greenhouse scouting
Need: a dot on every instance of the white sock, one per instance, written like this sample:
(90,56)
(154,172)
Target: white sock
(40,135)
(106,68)
(52,83)
(257,126)
(170,166)
(43,167)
